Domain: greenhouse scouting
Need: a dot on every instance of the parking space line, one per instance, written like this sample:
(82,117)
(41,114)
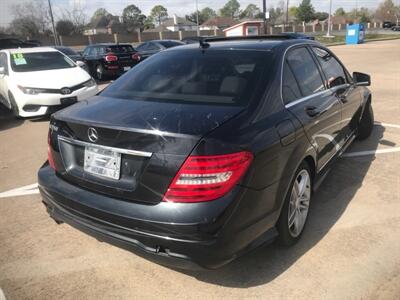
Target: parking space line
(21,191)
(387,125)
(371,152)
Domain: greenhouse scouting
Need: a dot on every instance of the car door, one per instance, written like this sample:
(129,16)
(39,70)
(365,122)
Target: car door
(317,108)
(341,84)
(3,79)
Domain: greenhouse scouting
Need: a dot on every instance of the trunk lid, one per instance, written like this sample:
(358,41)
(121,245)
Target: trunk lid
(166,131)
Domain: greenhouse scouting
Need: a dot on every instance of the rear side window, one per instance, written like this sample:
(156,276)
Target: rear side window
(169,44)
(332,69)
(194,76)
(120,49)
(290,87)
(305,71)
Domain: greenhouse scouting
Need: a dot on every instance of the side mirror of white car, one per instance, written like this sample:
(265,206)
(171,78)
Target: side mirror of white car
(80,63)
(2,71)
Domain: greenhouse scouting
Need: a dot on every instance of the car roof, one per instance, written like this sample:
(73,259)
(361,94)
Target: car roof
(110,44)
(31,50)
(248,44)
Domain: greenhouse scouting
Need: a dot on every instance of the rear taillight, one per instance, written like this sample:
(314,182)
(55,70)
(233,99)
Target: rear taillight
(206,178)
(136,57)
(111,57)
(50,153)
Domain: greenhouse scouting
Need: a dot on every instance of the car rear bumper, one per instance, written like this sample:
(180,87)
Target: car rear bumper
(163,236)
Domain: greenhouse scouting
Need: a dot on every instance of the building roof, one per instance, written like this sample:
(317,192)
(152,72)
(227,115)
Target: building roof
(220,22)
(157,29)
(180,21)
(243,23)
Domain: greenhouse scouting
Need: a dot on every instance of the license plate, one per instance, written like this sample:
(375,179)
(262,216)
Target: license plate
(102,162)
(126,68)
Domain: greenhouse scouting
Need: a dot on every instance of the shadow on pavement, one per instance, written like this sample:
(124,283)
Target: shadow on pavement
(7,120)
(328,204)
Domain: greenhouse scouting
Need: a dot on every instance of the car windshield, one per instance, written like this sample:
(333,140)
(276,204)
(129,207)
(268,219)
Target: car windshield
(194,76)
(120,49)
(39,61)
(169,44)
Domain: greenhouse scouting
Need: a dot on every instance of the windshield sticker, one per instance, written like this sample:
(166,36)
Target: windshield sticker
(19,59)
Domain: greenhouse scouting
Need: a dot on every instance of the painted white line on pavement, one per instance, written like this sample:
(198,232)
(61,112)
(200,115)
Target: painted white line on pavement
(21,191)
(387,125)
(2,296)
(371,152)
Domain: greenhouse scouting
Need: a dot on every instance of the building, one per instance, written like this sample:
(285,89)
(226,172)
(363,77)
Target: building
(105,25)
(218,23)
(245,28)
(179,24)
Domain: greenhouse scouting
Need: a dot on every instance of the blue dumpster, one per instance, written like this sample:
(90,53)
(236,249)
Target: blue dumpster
(355,34)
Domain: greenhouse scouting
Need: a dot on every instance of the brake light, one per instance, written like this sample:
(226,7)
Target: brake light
(111,57)
(49,152)
(206,178)
(136,57)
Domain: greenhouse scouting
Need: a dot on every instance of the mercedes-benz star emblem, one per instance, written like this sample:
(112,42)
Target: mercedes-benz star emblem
(65,91)
(93,135)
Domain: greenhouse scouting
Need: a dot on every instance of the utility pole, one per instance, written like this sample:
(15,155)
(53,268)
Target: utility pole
(287,13)
(52,23)
(197,17)
(265,16)
(328,34)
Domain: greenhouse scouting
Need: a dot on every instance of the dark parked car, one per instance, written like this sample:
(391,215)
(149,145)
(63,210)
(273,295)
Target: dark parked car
(109,59)
(204,152)
(297,35)
(72,54)
(396,28)
(388,24)
(147,49)
(11,43)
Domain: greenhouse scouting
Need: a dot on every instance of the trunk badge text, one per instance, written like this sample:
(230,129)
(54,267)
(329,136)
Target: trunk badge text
(93,135)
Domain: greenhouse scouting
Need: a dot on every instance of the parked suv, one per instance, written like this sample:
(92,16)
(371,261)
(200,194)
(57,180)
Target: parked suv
(105,60)
(205,151)
(150,48)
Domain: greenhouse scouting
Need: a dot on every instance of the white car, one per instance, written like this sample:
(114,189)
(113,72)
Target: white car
(38,81)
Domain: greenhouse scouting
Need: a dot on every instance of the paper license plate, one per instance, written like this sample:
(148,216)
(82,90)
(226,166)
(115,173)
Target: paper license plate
(102,162)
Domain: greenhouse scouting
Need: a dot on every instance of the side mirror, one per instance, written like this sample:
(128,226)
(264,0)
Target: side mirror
(80,64)
(361,79)
(2,71)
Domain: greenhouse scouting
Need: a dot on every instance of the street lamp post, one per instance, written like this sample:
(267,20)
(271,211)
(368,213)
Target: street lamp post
(52,23)
(197,17)
(328,34)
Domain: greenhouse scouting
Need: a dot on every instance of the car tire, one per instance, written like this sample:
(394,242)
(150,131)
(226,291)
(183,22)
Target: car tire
(366,124)
(14,106)
(295,209)
(99,72)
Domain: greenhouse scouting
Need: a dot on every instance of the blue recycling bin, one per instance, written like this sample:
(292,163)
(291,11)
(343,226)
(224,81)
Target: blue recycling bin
(355,34)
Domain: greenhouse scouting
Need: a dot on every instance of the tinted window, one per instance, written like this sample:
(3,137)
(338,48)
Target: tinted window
(169,44)
(194,76)
(152,47)
(305,71)
(39,61)
(290,88)
(120,49)
(142,47)
(333,70)
(87,51)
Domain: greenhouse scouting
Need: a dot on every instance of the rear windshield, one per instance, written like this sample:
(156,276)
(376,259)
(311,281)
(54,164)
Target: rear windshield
(194,76)
(169,44)
(39,61)
(120,49)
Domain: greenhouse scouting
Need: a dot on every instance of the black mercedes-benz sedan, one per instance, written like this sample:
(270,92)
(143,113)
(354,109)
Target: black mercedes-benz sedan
(205,151)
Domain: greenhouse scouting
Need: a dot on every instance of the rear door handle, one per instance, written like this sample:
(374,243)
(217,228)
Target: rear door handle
(312,111)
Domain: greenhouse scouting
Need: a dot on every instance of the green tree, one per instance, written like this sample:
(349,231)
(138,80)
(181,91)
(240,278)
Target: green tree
(252,12)
(158,13)
(340,12)
(231,9)
(362,15)
(204,15)
(100,12)
(305,11)
(276,15)
(321,16)
(148,23)
(65,27)
(133,18)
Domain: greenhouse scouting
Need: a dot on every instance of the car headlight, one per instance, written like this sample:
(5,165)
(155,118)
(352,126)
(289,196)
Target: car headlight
(89,83)
(31,91)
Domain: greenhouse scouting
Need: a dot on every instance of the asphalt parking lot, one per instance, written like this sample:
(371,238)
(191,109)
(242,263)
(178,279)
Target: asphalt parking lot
(350,248)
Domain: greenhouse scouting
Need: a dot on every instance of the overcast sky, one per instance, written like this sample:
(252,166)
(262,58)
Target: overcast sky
(178,7)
